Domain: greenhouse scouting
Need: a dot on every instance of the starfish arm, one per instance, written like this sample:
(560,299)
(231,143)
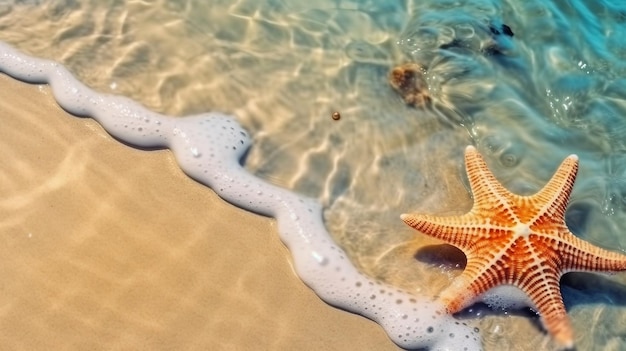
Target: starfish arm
(552,199)
(579,255)
(460,231)
(488,193)
(477,277)
(544,291)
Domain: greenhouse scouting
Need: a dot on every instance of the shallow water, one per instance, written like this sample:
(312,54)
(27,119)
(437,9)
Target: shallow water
(283,68)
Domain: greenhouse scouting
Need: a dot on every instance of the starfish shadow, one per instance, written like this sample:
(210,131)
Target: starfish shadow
(442,255)
(581,288)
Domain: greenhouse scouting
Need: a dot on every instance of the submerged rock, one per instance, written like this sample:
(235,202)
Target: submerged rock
(408,80)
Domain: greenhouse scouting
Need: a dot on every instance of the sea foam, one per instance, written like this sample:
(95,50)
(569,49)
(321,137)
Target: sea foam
(208,147)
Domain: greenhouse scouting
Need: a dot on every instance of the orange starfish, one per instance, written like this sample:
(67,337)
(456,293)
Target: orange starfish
(515,240)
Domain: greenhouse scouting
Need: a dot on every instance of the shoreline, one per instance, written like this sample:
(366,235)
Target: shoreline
(107,246)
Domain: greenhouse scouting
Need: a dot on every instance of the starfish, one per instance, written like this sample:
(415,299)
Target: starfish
(519,241)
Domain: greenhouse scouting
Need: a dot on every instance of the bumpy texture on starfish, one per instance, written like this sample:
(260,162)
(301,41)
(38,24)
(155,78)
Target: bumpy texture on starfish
(517,240)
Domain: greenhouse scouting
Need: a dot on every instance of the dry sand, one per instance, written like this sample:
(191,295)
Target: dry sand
(104,246)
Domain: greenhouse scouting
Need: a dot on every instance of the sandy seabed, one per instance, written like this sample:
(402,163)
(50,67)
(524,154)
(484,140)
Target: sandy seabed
(104,246)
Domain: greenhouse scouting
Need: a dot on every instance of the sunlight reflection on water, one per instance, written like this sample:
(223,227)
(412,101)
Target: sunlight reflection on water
(551,89)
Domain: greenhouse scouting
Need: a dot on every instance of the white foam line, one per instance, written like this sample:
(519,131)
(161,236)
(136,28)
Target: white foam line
(208,148)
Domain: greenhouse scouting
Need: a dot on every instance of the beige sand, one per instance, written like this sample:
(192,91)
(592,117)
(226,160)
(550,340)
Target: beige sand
(104,246)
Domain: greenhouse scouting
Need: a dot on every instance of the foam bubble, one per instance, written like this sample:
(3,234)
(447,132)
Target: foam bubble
(504,297)
(208,148)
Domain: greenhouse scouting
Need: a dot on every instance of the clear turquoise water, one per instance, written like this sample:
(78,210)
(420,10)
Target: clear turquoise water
(554,88)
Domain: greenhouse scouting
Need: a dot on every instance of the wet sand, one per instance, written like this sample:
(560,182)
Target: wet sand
(105,246)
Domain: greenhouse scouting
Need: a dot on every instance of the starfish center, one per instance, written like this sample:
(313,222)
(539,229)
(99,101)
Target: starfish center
(522,230)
